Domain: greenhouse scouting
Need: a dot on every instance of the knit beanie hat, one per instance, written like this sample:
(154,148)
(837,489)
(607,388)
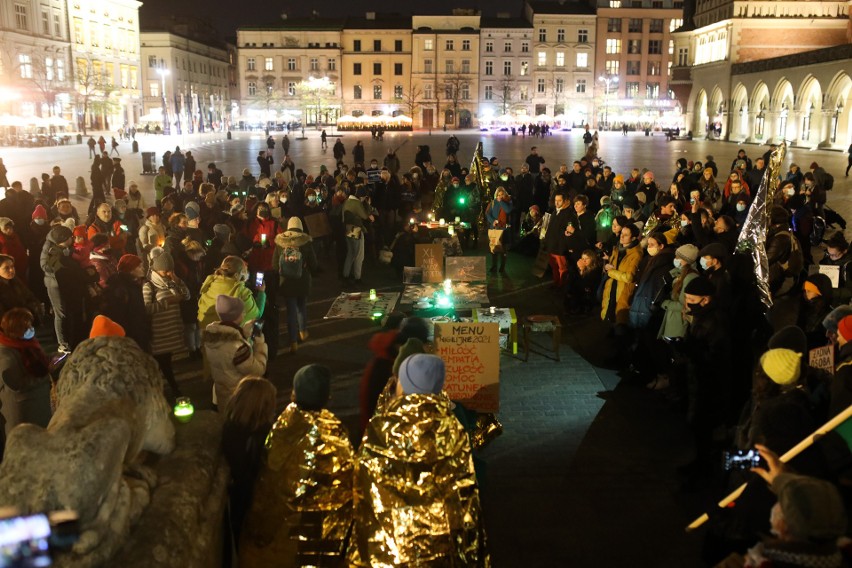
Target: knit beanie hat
(222,231)
(409,348)
(294,223)
(311,387)
(151,211)
(69,223)
(192,210)
(844,328)
(714,250)
(422,374)
(781,365)
(237,209)
(619,178)
(163,262)
(39,212)
(229,308)
(700,286)
(80,231)
(128,263)
(60,234)
(812,508)
(6,221)
(831,320)
(789,337)
(812,288)
(689,253)
(413,327)
(103,326)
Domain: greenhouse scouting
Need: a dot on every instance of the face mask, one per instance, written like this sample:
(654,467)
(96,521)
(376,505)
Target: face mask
(66,251)
(312,198)
(740,206)
(696,308)
(40,221)
(30,333)
(653,251)
(678,263)
(703,263)
(263,214)
(684,222)
(455,185)
(504,178)
(790,192)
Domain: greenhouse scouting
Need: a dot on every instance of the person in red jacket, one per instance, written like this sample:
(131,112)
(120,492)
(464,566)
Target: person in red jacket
(262,230)
(11,244)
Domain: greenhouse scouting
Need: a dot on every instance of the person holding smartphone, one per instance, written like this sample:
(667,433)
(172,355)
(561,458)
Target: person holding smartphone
(295,259)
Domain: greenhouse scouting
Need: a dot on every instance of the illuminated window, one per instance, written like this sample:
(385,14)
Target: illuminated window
(613,45)
(582,60)
(654,68)
(489,92)
(397,92)
(48,68)
(134,77)
(60,69)
(631,89)
(377,92)
(252,88)
(25,64)
(560,59)
(78,31)
(125,75)
(612,67)
(675,24)
(268,64)
(615,3)
(652,90)
(525,68)
(542,58)
(634,46)
(21,21)
(428,45)
(154,88)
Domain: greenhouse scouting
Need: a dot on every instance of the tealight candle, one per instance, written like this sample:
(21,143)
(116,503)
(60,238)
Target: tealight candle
(448,286)
(263,238)
(373,295)
(451,231)
(458,220)
(492,310)
(442,222)
(183,409)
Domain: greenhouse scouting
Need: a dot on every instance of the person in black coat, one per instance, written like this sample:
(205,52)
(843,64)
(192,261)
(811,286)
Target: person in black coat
(117,174)
(123,302)
(556,241)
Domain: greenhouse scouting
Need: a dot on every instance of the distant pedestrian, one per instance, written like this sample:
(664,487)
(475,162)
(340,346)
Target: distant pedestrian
(324,138)
(91,144)
(114,144)
(849,160)
(178,162)
(338,150)
(270,143)
(285,142)
(102,144)
(4,180)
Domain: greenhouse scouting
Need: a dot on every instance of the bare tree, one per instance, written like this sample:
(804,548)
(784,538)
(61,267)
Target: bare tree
(412,100)
(455,87)
(94,91)
(506,93)
(48,77)
(315,96)
(558,93)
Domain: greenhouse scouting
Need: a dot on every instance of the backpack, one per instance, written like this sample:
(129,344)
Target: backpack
(828,182)
(818,231)
(291,263)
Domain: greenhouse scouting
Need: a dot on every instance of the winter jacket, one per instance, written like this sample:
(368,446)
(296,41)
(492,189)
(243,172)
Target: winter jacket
(500,212)
(166,323)
(623,276)
(125,305)
(214,286)
(296,287)
(554,239)
(260,257)
(12,245)
(23,397)
(674,323)
(15,294)
(150,236)
(384,346)
(105,265)
(231,357)
(651,281)
(841,385)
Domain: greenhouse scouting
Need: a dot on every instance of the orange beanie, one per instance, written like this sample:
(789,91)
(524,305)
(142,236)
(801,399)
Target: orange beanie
(103,326)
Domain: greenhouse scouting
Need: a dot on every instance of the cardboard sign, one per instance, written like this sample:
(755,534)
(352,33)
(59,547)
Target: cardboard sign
(466,268)
(471,352)
(833,273)
(431,259)
(822,358)
(318,225)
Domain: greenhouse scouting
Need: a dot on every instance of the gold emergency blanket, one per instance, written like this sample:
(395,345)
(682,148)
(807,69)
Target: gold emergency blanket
(416,500)
(302,508)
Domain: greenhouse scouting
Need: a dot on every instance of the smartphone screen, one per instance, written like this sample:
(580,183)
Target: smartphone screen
(741,460)
(258,279)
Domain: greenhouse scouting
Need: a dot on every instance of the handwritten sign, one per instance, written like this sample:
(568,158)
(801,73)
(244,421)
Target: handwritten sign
(466,268)
(822,358)
(431,259)
(833,273)
(471,353)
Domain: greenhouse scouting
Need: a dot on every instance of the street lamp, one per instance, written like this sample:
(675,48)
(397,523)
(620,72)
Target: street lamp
(607,80)
(162,73)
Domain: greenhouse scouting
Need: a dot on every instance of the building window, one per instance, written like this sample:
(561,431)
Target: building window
(48,68)
(377,45)
(582,60)
(250,64)
(356,45)
(559,85)
(612,67)
(489,67)
(356,68)
(449,45)
(542,58)
(397,69)
(525,68)
(560,59)
(397,92)
(507,68)
(655,46)
(525,47)
(652,90)
(633,68)
(332,64)
(615,3)
(613,25)
(125,72)
(60,70)
(675,24)
(634,25)
(152,61)
(356,92)
(654,68)
(465,45)
(21,17)
(542,34)
(291,88)
(489,92)
(154,88)
(291,64)
(582,36)
(524,93)
(465,66)
(657,4)
(613,46)
(314,64)
(634,46)
(540,86)
(268,65)
(377,68)
(507,47)
(489,47)
(631,89)
(449,67)
(671,46)
(427,66)
(94,36)
(57,25)
(428,45)
(78,31)
(45,22)
(560,35)
(427,91)
(683,57)
(252,88)
(397,45)
(448,92)
(581,86)
(656,26)
(465,92)
(377,92)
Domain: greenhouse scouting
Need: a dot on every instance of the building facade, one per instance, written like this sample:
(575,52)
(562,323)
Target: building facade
(445,69)
(563,60)
(768,71)
(35,60)
(195,75)
(376,67)
(291,73)
(634,55)
(106,62)
(505,64)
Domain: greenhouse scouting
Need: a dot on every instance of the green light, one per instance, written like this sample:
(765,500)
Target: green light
(377,315)
(461,200)
(183,409)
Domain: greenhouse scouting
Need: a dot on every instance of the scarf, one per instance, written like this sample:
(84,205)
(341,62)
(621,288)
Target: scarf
(35,361)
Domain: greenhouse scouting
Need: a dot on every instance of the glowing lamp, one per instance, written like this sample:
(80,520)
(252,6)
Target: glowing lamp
(451,231)
(263,238)
(373,295)
(377,315)
(411,221)
(448,286)
(442,222)
(444,301)
(430,216)
(461,200)
(492,310)
(458,220)
(183,409)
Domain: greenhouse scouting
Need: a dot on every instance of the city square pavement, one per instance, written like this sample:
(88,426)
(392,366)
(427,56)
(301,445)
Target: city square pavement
(584,472)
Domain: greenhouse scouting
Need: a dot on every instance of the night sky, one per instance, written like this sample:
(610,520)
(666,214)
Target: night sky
(227,15)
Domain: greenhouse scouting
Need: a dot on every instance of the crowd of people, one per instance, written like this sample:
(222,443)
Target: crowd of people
(206,267)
